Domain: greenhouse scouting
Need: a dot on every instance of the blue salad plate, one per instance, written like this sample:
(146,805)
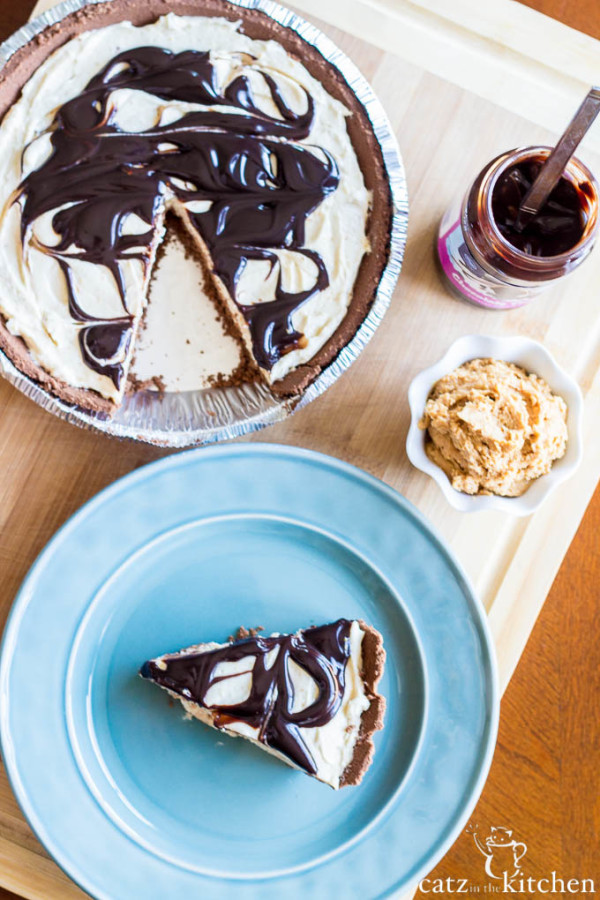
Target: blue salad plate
(132,800)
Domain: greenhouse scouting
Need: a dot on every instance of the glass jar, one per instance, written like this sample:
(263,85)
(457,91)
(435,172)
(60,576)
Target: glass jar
(478,262)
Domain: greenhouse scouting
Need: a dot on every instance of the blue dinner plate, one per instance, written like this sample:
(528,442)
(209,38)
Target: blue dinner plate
(135,802)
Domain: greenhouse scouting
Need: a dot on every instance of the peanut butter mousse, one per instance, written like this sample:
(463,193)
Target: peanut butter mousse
(493,427)
(308,698)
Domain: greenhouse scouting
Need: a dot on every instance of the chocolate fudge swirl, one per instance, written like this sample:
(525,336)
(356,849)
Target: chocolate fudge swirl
(322,652)
(262,185)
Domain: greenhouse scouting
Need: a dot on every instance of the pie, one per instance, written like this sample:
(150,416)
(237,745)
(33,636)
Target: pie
(122,124)
(309,698)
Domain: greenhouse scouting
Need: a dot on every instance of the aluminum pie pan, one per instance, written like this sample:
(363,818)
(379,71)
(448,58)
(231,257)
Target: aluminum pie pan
(192,418)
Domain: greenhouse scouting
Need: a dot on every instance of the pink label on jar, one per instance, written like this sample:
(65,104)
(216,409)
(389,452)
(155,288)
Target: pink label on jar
(473,282)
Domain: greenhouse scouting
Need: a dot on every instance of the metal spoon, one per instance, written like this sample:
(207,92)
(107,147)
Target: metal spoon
(554,166)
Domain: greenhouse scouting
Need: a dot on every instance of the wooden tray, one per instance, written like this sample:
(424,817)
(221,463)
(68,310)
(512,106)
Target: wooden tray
(461,82)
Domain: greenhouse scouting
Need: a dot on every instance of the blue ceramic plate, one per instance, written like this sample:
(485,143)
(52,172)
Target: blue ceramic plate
(133,801)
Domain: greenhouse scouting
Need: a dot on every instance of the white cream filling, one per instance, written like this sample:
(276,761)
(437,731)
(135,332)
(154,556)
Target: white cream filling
(182,341)
(331,745)
(33,295)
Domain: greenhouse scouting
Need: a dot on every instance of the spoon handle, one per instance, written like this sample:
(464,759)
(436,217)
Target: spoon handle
(554,166)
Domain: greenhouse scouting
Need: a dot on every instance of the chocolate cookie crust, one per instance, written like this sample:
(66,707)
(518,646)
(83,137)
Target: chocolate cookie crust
(258,26)
(373,662)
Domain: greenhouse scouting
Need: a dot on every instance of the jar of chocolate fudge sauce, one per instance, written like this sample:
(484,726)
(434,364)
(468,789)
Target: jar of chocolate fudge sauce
(485,260)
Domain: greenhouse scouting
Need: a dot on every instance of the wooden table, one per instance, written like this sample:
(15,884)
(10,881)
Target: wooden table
(544,783)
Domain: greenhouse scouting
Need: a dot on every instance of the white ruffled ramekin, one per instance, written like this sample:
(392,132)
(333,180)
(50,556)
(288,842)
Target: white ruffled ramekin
(533,357)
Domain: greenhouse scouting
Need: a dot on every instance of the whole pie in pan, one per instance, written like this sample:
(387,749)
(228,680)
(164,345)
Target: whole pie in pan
(125,126)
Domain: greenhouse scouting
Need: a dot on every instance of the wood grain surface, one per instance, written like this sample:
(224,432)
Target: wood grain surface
(544,782)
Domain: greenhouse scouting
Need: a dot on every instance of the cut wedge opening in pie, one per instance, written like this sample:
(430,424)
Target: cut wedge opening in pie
(188,339)
(126,129)
(309,698)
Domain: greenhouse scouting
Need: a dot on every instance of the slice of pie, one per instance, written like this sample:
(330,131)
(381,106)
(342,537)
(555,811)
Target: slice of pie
(212,114)
(309,698)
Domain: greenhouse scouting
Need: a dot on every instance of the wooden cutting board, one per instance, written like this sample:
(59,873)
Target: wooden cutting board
(461,82)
